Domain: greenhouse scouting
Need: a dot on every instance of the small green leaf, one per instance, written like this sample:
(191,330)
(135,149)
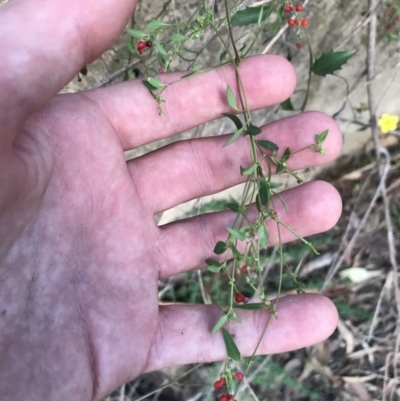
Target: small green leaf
(236,234)
(253,130)
(222,56)
(231,98)
(251,306)
(234,119)
(298,267)
(155,83)
(235,251)
(260,15)
(160,48)
(268,145)
(321,137)
(220,248)
(214,269)
(231,347)
(222,320)
(234,137)
(135,33)
(264,192)
(177,37)
(262,237)
(149,87)
(251,15)
(235,207)
(330,62)
(155,24)
(130,46)
(287,105)
(212,262)
(258,203)
(286,155)
(248,171)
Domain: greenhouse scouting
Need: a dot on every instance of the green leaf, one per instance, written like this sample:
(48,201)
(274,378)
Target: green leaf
(130,46)
(253,130)
(258,203)
(231,347)
(260,15)
(235,207)
(287,105)
(236,234)
(268,145)
(177,37)
(155,24)
(264,192)
(262,237)
(231,98)
(214,269)
(215,263)
(155,83)
(222,56)
(298,267)
(234,119)
(160,48)
(220,248)
(222,320)
(234,137)
(251,15)
(330,62)
(235,251)
(286,155)
(320,138)
(248,171)
(251,306)
(149,87)
(135,33)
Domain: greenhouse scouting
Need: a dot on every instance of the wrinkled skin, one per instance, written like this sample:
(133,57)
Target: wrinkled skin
(80,253)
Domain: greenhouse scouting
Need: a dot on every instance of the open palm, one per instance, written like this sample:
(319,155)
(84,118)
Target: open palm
(80,253)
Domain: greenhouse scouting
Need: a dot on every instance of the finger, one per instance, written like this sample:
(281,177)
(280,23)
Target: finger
(303,320)
(45,43)
(133,112)
(184,245)
(205,168)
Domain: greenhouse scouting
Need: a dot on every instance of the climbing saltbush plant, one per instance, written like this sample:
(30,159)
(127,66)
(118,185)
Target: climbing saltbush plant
(160,44)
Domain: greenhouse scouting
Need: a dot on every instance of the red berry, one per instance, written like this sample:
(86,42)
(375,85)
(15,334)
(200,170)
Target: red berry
(149,43)
(291,22)
(141,45)
(299,8)
(244,270)
(305,22)
(225,397)
(287,9)
(298,45)
(219,384)
(238,376)
(239,298)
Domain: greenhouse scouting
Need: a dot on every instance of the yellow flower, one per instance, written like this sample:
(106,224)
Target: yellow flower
(388,123)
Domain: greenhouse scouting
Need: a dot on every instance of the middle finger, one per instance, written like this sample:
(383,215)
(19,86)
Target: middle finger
(194,168)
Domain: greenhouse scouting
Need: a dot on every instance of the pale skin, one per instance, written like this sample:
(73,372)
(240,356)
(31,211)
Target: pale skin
(80,253)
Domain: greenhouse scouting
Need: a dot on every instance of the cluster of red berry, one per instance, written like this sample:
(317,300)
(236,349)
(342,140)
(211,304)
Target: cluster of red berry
(141,46)
(221,383)
(298,8)
(295,21)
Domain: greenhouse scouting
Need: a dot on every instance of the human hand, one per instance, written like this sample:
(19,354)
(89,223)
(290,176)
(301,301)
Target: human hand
(80,253)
